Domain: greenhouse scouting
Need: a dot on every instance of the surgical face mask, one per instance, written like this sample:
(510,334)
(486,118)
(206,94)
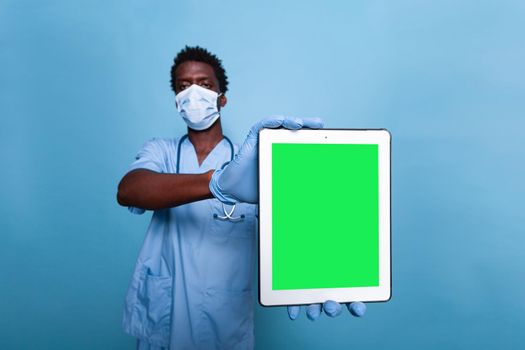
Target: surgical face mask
(198,107)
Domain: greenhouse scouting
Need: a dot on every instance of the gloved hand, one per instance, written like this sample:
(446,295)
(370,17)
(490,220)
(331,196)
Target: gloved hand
(330,307)
(237,181)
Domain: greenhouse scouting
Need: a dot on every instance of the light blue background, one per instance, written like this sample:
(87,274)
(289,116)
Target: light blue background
(84,83)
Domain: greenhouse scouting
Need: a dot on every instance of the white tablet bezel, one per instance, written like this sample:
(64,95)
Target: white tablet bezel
(269,297)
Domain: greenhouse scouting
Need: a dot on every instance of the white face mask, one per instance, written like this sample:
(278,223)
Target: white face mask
(198,107)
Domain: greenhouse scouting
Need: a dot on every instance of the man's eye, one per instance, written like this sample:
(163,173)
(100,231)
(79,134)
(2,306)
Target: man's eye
(206,85)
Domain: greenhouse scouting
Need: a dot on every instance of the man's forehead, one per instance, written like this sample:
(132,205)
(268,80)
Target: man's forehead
(194,69)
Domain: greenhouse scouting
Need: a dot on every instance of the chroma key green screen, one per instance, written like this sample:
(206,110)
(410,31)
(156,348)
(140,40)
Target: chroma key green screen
(325,216)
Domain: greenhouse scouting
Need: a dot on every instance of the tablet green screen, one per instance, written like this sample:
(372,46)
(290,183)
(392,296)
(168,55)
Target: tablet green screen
(325,223)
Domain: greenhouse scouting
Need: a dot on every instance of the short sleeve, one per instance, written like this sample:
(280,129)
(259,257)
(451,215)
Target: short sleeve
(151,157)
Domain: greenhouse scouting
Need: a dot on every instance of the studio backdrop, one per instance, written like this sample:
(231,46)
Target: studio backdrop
(83,84)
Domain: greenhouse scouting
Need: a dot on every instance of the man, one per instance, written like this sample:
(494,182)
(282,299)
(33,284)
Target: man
(191,288)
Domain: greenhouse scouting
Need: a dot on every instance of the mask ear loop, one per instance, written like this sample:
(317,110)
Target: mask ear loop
(218,102)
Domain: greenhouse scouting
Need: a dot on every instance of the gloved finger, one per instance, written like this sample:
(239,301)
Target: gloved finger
(357,308)
(332,308)
(313,311)
(293,312)
(313,123)
(293,123)
(271,122)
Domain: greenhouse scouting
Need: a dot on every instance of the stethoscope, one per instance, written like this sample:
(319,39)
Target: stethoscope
(228,214)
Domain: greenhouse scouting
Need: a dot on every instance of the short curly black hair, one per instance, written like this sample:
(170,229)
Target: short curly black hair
(199,54)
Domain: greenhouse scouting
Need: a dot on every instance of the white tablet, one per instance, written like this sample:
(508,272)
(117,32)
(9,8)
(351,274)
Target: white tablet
(324,216)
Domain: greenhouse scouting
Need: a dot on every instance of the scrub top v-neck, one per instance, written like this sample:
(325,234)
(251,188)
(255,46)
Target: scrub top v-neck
(185,142)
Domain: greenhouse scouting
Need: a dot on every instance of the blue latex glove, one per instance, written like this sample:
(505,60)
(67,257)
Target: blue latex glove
(330,307)
(237,181)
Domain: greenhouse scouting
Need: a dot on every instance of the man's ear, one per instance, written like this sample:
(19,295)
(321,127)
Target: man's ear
(222,100)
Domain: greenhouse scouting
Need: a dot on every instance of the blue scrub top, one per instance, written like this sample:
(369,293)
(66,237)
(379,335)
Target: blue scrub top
(192,284)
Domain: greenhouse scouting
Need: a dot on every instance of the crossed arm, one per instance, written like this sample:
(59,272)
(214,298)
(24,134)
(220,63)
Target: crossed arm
(150,190)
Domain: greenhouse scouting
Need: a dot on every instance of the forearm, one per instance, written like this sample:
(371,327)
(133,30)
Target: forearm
(150,190)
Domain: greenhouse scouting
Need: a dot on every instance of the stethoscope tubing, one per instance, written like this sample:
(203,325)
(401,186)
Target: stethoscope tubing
(228,215)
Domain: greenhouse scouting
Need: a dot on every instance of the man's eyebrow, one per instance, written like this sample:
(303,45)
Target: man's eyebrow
(199,77)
